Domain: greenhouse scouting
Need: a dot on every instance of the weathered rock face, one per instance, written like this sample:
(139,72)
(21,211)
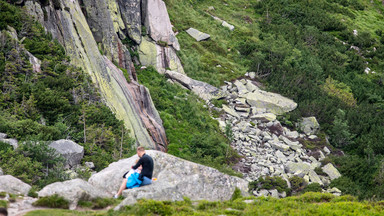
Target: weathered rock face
(71,151)
(131,15)
(176,178)
(74,190)
(202,89)
(72,30)
(13,185)
(157,22)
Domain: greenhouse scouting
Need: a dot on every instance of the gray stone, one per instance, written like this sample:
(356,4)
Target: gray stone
(293,167)
(71,151)
(1,172)
(12,142)
(10,184)
(334,190)
(272,102)
(263,192)
(225,24)
(283,194)
(158,24)
(230,111)
(292,134)
(309,125)
(281,156)
(326,150)
(280,146)
(264,117)
(3,136)
(131,16)
(240,87)
(250,86)
(74,190)
(199,36)
(176,178)
(312,137)
(314,178)
(202,89)
(331,171)
(252,75)
(90,165)
(274,193)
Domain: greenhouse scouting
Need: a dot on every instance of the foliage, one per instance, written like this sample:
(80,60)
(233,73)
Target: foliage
(314,187)
(269,183)
(54,201)
(192,133)
(3,204)
(297,183)
(236,194)
(98,203)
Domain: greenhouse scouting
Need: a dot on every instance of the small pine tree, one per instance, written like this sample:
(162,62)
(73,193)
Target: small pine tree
(340,135)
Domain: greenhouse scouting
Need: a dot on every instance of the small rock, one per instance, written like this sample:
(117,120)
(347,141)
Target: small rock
(211,8)
(309,125)
(1,172)
(312,137)
(252,75)
(199,36)
(225,24)
(314,177)
(90,165)
(283,194)
(293,167)
(3,136)
(264,117)
(263,192)
(326,150)
(249,201)
(274,193)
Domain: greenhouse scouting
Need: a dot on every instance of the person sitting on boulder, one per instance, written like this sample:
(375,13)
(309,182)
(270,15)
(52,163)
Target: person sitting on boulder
(134,178)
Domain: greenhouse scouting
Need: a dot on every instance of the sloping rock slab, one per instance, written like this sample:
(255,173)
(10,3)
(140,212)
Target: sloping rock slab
(71,151)
(331,171)
(202,89)
(73,191)
(272,102)
(198,35)
(13,185)
(176,178)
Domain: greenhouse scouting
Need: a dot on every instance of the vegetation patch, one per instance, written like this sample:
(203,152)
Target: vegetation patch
(54,201)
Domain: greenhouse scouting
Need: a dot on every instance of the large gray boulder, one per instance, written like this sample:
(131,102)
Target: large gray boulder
(71,151)
(331,171)
(73,191)
(309,125)
(176,178)
(157,22)
(13,185)
(198,35)
(271,102)
(202,89)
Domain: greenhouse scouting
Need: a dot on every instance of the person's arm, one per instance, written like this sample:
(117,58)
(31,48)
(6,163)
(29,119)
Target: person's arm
(140,162)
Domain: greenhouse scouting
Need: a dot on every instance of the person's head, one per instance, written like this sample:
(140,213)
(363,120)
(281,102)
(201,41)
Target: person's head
(3,212)
(140,151)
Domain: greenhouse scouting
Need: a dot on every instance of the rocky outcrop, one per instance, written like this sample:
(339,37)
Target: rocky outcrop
(131,16)
(12,185)
(73,191)
(198,35)
(202,89)
(157,22)
(176,178)
(71,151)
(70,27)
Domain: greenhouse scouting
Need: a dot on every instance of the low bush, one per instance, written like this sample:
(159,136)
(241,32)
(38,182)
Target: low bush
(54,201)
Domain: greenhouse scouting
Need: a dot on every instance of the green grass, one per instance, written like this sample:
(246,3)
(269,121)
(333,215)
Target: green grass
(54,201)
(307,204)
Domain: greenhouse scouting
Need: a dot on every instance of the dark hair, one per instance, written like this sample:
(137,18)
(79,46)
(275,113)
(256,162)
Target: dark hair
(4,211)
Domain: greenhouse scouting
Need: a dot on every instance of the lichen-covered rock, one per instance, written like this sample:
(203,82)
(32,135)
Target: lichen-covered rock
(264,117)
(202,89)
(198,35)
(73,191)
(314,178)
(230,111)
(331,171)
(272,102)
(297,168)
(175,178)
(13,185)
(131,16)
(309,125)
(157,22)
(71,151)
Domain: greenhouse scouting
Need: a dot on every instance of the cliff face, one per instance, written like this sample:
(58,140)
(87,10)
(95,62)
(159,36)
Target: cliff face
(91,32)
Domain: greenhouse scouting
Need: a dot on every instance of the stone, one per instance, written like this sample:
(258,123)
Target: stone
(176,178)
(202,89)
(71,151)
(280,146)
(12,142)
(74,190)
(331,171)
(274,193)
(1,172)
(248,201)
(12,185)
(312,137)
(292,134)
(90,165)
(225,24)
(3,136)
(240,87)
(281,156)
(211,8)
(309,125)
(300,167)
(326,150)
(131,16)
(325,180)
(263,192)
(264,117)
(314,178)
(283,194)
(199,36)
(250,86)
(306,178)
(334,190)
(272,102)
(157,22)
(148,52)
(252,75)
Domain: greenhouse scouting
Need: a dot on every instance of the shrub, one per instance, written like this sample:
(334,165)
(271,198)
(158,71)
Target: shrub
(297,183)
(269,183)
(236,194)
(3,204)
(314,187)
(54,201)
